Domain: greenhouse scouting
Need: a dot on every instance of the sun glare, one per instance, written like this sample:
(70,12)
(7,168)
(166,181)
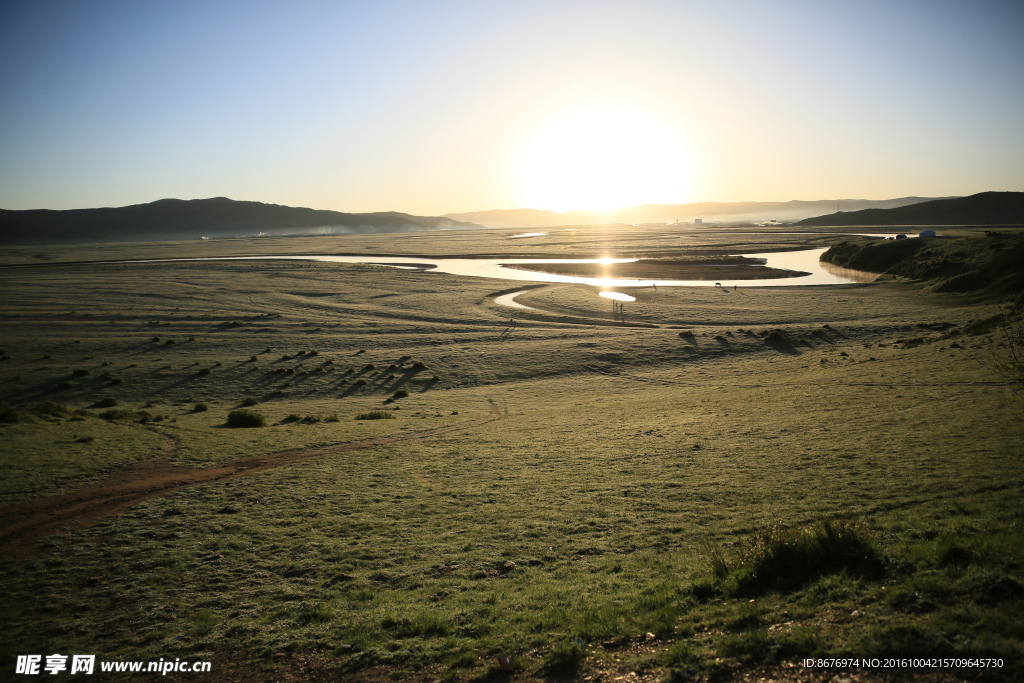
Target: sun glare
(604,156)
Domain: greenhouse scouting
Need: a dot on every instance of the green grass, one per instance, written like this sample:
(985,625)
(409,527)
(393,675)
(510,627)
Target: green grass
(634,483)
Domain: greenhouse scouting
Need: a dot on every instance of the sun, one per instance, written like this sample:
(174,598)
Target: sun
(602,156)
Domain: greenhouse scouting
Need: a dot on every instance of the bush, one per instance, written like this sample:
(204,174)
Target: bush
(106,402)
(564,659)
(118,414)
(245,418)
(200,408)
(249,401)
(401,393)
(81,372)
(779,559)
(686,334)
(376,415)
(203,371)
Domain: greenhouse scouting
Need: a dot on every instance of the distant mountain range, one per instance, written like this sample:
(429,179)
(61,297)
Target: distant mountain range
(169,219)
(708,212)
(985,208)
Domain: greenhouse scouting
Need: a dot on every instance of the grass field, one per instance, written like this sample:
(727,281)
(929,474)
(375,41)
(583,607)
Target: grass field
(721,487)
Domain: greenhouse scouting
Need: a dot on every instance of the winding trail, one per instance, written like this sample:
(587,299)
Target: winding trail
(26,523)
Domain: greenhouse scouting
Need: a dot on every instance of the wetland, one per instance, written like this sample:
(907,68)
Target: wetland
(709,484)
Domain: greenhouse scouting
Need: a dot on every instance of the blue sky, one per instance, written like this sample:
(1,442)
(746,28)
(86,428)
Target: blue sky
(426,107)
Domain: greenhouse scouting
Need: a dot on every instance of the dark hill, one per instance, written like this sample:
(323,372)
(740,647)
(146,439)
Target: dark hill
(993,263)
(985,208)
(191,219)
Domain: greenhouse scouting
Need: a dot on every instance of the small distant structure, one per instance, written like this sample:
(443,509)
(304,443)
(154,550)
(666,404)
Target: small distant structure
(926,233)
(698,221)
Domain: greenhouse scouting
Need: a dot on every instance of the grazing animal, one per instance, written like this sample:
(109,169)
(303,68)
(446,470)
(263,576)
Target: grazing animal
(718,284)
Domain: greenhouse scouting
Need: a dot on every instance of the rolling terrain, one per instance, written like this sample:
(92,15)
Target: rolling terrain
(723,484)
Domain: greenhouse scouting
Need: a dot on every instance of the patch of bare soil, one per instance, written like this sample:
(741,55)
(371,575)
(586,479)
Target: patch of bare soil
(26,523)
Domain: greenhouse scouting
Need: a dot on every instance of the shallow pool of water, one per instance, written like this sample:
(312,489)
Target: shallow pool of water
(805,260)
(617,296)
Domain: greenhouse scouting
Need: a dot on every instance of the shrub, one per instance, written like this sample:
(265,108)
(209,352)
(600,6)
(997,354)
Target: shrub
(401,393)
(775,336)
(107,402)
(65,385)
(292,417)
(169,342)
(360,382)
(777,559)
(118,414)
(333,417)
(564,659)
(203,371)
(249,401)
(245,418)
(418,365)
(369,366)
(376,415)
(685,334)
(200,408)
(80,372)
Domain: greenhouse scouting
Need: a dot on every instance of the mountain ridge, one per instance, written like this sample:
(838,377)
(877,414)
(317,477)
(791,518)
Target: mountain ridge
(709,212)
(195,218)
(984,208)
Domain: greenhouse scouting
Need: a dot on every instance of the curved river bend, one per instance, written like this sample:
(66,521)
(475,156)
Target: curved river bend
(805,260)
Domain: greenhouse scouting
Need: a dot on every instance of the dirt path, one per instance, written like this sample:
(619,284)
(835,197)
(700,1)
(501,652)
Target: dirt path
(26,523)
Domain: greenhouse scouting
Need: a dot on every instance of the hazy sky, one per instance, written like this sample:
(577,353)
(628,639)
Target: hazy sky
(437,107)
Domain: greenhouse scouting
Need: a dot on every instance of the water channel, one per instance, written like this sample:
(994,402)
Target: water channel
(804,260)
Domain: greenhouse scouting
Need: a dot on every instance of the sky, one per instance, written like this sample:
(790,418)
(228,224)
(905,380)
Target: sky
(435,107)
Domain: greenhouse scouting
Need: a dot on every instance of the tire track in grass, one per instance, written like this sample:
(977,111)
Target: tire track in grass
(26,523)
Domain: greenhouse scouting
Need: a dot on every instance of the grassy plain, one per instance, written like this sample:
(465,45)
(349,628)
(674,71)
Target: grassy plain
(592,499)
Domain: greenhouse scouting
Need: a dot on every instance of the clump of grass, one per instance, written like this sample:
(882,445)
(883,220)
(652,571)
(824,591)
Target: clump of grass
(333,417)
(169,342)
(118,414)
(203,371)
(292,417)
(249,401)
(200,408)
(775,336)
(376,415)
(686,334)
(418,365)
(564,659)
(360,382)
(783,559)
(108,402)
(369,366)
(80,372)
(66,385)
(401,393)
(245,418)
